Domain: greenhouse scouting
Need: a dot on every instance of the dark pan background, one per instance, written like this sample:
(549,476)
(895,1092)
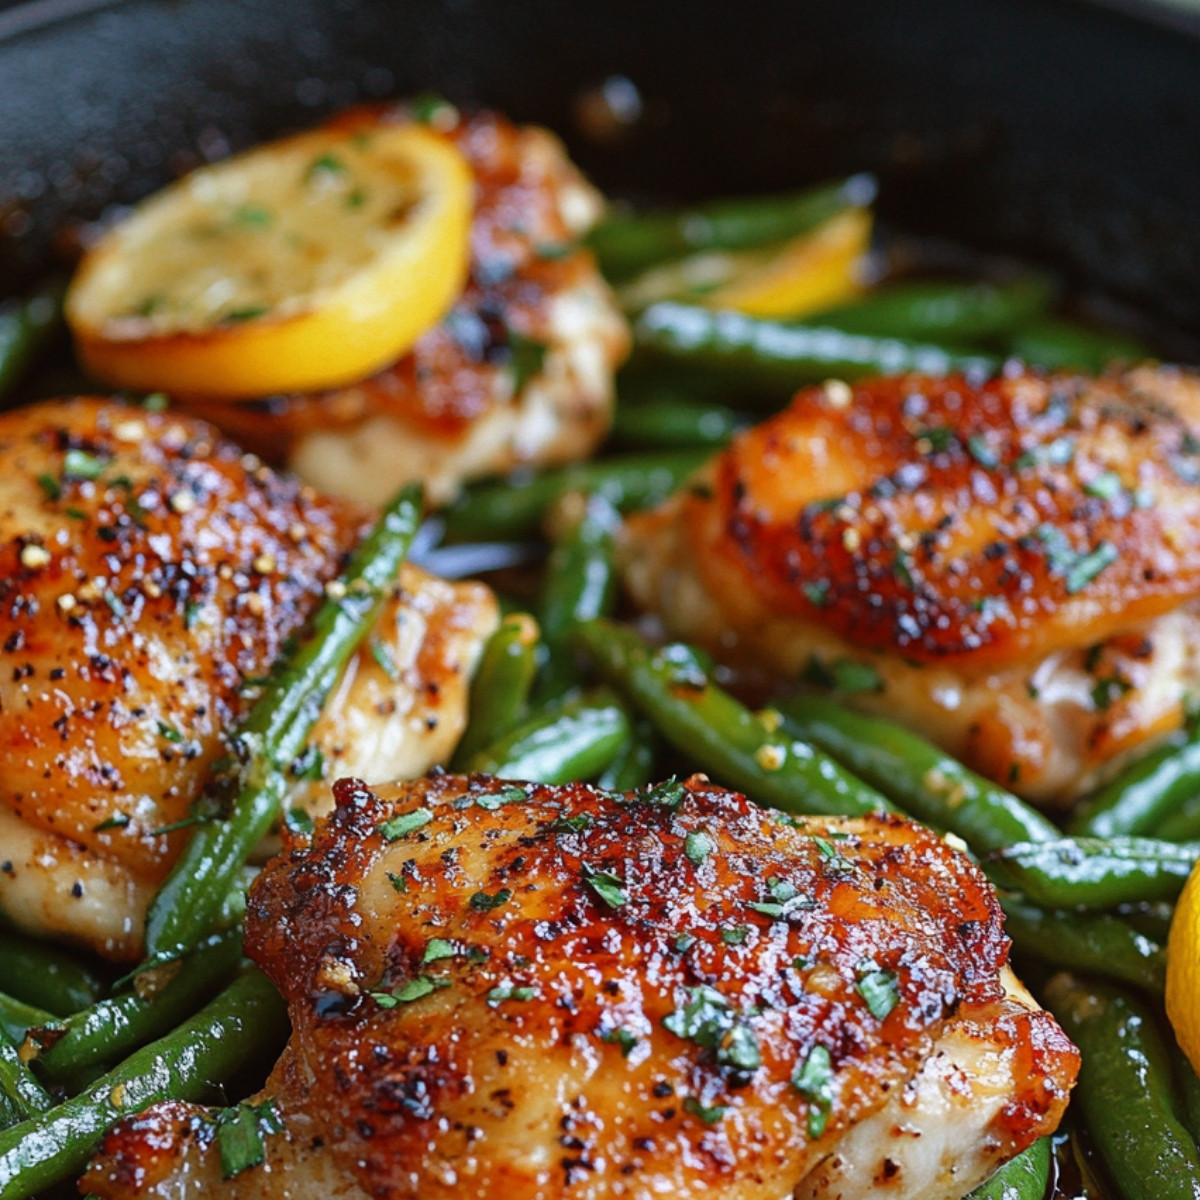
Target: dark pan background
(1068,132)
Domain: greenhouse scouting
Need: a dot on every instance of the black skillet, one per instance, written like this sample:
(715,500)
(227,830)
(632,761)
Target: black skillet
(1068,132)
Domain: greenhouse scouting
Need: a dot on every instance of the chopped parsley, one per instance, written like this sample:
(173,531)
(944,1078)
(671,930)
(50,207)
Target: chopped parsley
(506,795)
(50,486)
(1078,568)
(1104,487)
(240,1133)
(735,936)
(415,989)
(168,734)
(981,452)
(698,846)
(406,823)
(298,821)
(881,990)
(438,948)
(707,1020)
(669,794)
(325,166)
(79,464)
(608,887)
(709,1114)
(117,821)
(1107,692)
(576,824)
(499,994)
(398,882)
(620,1037)
(816,591)
(1051,454)
(813,1079)
(785,898)
(482,902)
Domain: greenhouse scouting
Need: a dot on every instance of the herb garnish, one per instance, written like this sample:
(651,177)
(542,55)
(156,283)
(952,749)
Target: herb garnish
(814,1081)
(405,824)
(608,887)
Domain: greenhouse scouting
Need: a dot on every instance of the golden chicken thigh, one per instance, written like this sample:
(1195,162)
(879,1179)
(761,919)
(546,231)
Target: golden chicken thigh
(535,992)
(519,372)
(149,574)
(1011,568)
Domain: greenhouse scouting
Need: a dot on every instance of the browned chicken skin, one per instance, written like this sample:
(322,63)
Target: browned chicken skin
(521,369)
(1019,560)
(148,570)
(503,991)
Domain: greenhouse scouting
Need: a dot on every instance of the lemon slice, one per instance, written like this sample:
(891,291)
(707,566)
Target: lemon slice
(806,274)
(1183,970)
(306,263)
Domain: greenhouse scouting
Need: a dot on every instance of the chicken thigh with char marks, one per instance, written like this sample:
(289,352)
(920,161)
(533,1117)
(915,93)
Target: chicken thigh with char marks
(520,372)
(1013,568)
(149,572)
(536,992)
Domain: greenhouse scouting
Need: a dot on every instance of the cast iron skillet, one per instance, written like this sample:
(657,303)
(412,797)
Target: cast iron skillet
(1068,132)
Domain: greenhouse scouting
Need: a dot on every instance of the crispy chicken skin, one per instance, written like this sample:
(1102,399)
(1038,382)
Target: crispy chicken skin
(148,570)
(1019,561)
(520,371)
(535,992)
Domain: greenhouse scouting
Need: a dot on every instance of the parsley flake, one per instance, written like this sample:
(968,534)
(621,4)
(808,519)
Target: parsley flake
(499,994)
(240,1133)
(698,846)
(79,464)
(398,882)
(608,887)
(667,795)
(881,990)
(620,1037)
(506,795)
(405,824)
(437,948)
(482,902)
(710,1115)
(813,1079)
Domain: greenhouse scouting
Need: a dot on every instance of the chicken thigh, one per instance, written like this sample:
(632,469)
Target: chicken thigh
(1012,568)
(504,990)
(149,574)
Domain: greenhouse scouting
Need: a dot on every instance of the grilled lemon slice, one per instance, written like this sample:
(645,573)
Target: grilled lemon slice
(306,263)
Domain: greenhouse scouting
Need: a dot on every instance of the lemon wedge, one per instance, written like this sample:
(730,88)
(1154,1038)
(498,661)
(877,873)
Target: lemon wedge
(806,274)
(1183,970)
(306,263)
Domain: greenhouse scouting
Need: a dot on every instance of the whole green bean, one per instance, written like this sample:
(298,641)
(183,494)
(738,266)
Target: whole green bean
(1125,1091)
(579,584)
(924,781)
(500,689)
(938,312)
(46,976)
(245,1021)
(664,424)
(1146,792)
(1094,872)
(27,327)
(634,765)
(671,687)
(1097,943)
(1055,344)
(1025,1177)
(275,733)
(17,1017)
(782,355)
(115,1027)
(626,243)
(571,740)
(515,509)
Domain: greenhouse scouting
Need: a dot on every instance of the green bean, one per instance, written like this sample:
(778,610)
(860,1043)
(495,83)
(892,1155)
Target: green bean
(118,1026)
(1147,792)
(1152,920)
(924,781)
(516,509)
(634,765)
(500,689)
(1097,943)
(625,244)
(1125,1091)
(1025,1177)
(570,740)
(21,1095)
(780,356)
(1183,824)
(665,423)
(1056,344)
(17,1017)
(941,312)
(245,1021)
(580,583)
(45,976)
(1094,872)
(275,733)
(1189,1091)
(671,687)
(27,327)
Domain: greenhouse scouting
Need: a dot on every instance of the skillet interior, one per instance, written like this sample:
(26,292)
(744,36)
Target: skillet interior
(1065,131)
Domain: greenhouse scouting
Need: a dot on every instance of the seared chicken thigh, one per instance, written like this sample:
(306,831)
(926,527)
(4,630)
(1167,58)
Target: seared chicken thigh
(149,574)
(520,371)
(534,992)
(1011,568)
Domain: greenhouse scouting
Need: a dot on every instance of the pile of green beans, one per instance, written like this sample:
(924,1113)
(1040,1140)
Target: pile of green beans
(566,692)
